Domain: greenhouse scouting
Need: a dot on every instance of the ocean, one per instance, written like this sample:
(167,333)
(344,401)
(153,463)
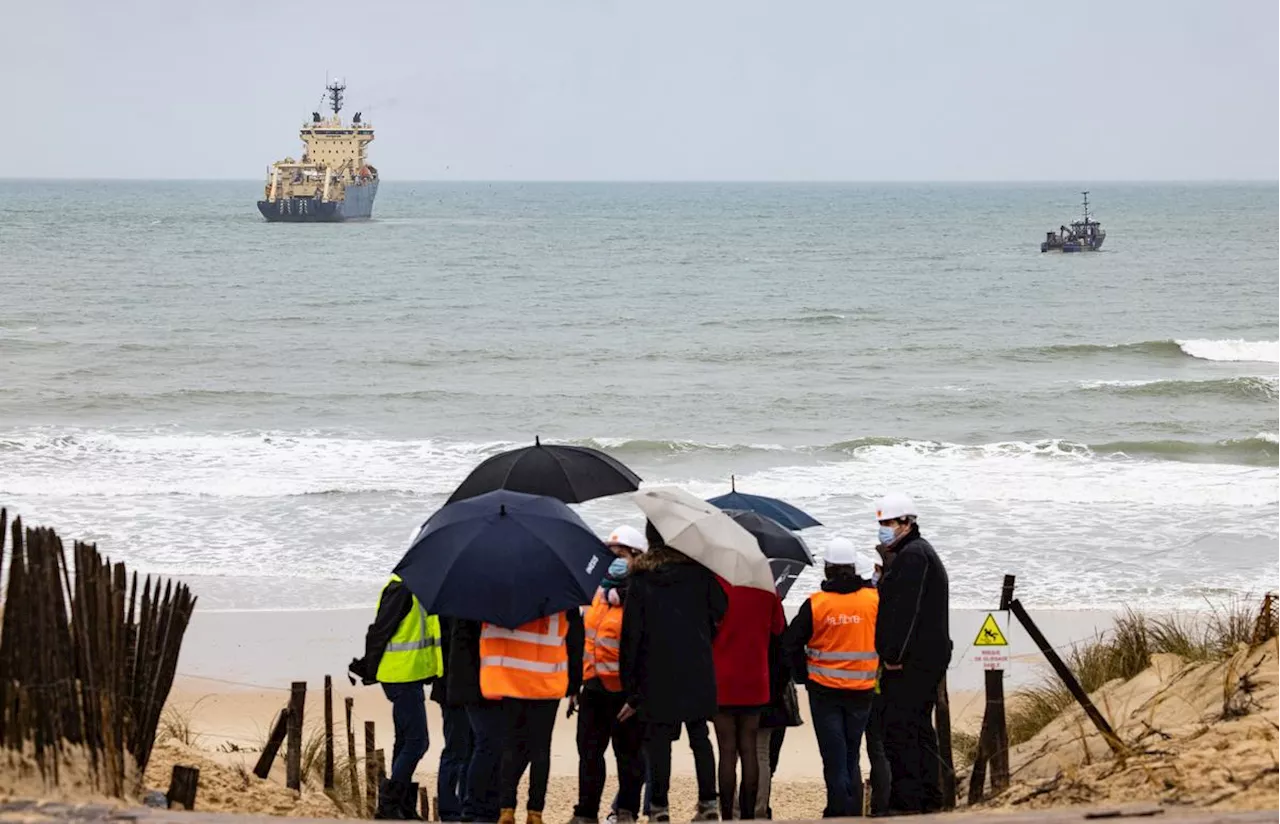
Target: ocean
(269,410)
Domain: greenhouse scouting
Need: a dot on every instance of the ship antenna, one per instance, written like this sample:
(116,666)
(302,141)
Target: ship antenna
(1086,208)
(335,89)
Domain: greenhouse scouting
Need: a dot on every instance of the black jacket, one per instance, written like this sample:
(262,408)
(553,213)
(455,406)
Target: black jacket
(669,621)
(462,666)
(913,628)
(440,689)
(796,638)
(393,606)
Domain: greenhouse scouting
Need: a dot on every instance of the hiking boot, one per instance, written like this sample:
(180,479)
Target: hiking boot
(707,811)
(390,798)
(659,815)
(533,817)
(507,816)
(409,803)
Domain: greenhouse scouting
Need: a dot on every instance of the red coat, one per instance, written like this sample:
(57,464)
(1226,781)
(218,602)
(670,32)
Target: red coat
(741,648)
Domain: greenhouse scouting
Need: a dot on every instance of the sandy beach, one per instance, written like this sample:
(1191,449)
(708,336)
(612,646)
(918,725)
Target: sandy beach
(236,668)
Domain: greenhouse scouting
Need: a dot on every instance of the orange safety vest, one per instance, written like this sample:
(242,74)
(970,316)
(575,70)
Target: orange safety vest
(603,649)
(531,662)
(842,650)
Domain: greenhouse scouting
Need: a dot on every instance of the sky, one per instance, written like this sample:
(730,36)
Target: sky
(847,90)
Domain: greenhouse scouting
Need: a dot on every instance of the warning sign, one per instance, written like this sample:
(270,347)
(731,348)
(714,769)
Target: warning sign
(990,635)
(992,643)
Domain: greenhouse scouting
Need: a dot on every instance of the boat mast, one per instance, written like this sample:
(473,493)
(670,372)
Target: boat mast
(335,90)
(1086,208)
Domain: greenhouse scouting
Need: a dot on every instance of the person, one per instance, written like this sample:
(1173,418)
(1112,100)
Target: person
(402,653)
(741,655)
(484,717)
(455,756)
(698,734)
(601,699)
(914,642)
(668,671)
(831,647)
(880,775)
(529,669)
(783,711)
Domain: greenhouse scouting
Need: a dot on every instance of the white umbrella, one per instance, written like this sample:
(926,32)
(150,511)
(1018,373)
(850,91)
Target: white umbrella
(707,535)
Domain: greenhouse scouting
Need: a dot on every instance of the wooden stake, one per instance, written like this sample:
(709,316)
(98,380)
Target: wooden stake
(370,770)
(424,803)
(268,757)
(942,720)
(352,777)
(182,787)
(293,759)
(328,732)
(1069,680)
(382,766)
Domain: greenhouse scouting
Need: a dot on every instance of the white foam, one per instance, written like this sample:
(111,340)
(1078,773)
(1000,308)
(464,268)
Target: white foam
(1261,351)
(1104,384)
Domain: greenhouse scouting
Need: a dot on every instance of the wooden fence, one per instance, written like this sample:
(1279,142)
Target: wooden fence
(86,658)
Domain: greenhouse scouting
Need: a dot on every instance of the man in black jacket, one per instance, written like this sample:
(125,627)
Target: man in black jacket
(913,640)
(455,757)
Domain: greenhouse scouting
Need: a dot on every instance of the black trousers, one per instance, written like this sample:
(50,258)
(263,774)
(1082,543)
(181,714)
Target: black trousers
(598,727)
(528,741)
(910,742)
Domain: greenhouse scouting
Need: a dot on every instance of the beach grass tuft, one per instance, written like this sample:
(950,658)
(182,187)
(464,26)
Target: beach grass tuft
(1126,651)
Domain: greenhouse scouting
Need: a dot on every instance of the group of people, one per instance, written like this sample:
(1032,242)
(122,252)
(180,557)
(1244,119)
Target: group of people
(666,647)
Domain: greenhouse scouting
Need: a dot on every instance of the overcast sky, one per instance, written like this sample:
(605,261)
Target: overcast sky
(650,90)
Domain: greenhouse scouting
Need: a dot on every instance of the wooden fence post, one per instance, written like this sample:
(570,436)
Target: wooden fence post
(382,766)
(293,759)
(1069,679)
(995,703)
(424,803)
(352,777)
(328,732)
(370,770)
(993,740)
(942,720)
(182,787)
(268,757)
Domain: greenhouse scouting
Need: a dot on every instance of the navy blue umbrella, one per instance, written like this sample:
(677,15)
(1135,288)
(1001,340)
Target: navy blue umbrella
(504,557)
(784,513)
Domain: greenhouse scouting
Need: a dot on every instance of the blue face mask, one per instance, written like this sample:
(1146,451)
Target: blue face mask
(887,534)
(618,569)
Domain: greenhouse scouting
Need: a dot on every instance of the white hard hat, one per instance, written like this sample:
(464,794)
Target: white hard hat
(841,551)
(895,505)
(628,536)
(866,564)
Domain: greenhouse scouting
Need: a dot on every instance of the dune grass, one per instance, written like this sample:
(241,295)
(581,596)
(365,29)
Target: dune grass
(1127,649)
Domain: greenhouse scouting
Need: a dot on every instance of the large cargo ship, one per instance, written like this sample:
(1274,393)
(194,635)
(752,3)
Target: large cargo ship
(333,181)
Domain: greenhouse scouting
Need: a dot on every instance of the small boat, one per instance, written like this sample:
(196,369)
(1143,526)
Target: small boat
(1081,236)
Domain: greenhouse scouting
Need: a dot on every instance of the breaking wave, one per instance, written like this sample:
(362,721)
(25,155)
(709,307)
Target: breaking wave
(1211,350)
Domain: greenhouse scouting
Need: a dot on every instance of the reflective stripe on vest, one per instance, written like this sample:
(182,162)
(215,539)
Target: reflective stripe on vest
(842,649)
(603,647)
(529,662)
(413,653)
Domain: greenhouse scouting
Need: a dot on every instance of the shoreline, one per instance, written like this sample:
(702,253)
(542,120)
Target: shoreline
(256,650)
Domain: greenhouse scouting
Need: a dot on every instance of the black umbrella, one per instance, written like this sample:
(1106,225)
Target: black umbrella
(785,573)
(504,557)
(776,541)
(572,474)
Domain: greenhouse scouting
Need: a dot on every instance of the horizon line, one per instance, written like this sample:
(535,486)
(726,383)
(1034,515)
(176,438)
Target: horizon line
(665,181)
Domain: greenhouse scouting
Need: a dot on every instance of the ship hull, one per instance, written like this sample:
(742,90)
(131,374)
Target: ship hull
(357,205)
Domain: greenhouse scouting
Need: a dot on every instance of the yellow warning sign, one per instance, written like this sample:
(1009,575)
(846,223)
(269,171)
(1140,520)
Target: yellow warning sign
(990,634)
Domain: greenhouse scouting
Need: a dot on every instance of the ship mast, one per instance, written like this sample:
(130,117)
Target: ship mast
(1086,208)
(335,90)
